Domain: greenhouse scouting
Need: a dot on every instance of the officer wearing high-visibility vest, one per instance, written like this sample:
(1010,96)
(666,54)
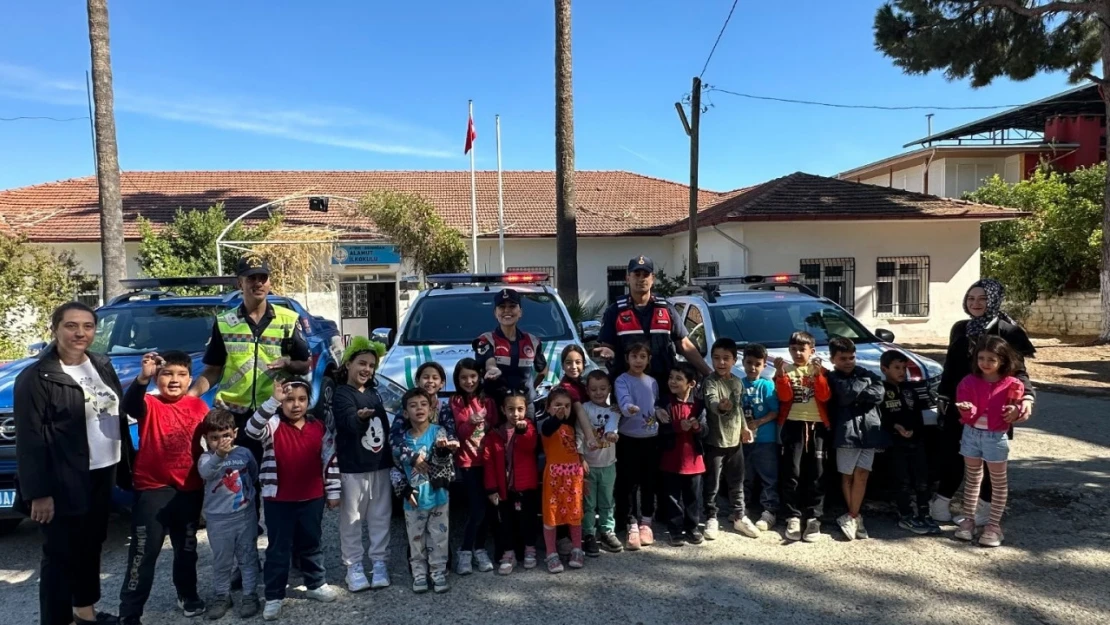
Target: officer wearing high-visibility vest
(641,317)
(508,356)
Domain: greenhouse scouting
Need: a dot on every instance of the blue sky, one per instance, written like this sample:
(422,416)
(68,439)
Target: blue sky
(350,84)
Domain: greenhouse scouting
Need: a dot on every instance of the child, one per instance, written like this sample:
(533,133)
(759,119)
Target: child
(804,430)
(724,394)
(988,402)
(602,458)
(574,365)
(424,446)
(681,431)
(229,473)
(474,415)
(858,429)
(167,487)
(761,456)
(430,377)
(638,447)
(365,458)
(562,480)
(512,481)
(901,411)
(299,473)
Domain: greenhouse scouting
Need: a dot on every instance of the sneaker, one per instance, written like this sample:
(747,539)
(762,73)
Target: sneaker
(991,537)
(793,528)
(191,607)
(218,608)
(813,531)
(356,578)
(530,559)
(610,542)
(465,565)
(577,559)
(323,594)
(676,540)
(647,536)
(712,526)
(633,538)
(847,525)
(695,537)
(940,509)
(932,525)
(485,565)
(439,582)
(766,521)
(508,563)
(913,524)
(861,531)
(420,584)
(966,530)
(272,611)
(744,525)
(590,546)
(982,513)
(554,564)
(250,606)
(380,577)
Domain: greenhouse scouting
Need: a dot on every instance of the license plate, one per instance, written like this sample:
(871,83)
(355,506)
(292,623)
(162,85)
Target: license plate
(7,498)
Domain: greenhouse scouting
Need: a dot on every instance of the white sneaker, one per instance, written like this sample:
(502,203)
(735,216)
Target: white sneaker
(940,510)
(272,611)
(766,521)
(861,531)
(356,578)
(847,526)
(484,563)
(380,577)
(745,526)
(982,513)
(712,526)
(323,594)
(464,564)
(793,528)
(813,531)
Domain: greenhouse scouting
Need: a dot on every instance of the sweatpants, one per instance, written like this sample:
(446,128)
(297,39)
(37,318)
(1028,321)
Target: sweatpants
(805,448)
(428,540)
(637,478)
(234,541)
(478,509)
(682,507)
(71,546)
(909,465)
(366,498)
(289,523)
(951,461)
(516,523)
(156,514)
(599,503)
(761,462)
(729,463)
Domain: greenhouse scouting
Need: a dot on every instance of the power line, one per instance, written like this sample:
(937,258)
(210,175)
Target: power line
(878,107)
(719,35)
(41,118)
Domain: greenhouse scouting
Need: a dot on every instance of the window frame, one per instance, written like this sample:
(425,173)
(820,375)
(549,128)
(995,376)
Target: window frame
(711,269)
(610,284)
(847,278)
(920,274)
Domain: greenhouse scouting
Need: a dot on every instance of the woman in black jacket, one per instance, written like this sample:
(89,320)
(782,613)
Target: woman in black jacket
(983,303)
(69,439)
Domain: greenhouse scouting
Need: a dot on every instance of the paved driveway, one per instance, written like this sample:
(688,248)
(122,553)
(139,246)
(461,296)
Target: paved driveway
(1053,569)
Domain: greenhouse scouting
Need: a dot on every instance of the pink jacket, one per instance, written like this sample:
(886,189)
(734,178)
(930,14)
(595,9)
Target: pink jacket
(988,398)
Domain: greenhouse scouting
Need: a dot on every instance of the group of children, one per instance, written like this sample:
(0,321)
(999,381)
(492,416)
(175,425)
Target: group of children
(604,448)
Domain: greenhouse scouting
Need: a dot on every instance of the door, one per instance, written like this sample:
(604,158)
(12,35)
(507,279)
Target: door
(382,305)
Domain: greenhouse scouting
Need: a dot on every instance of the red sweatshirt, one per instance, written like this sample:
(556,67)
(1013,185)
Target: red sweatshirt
(517,471)
(169,440)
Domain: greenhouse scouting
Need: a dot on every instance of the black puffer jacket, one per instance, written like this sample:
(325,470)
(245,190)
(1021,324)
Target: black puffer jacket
(854,409)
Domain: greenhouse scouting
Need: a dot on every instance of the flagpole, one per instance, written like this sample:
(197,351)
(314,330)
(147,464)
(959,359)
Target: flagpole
(500,197)
(473,207)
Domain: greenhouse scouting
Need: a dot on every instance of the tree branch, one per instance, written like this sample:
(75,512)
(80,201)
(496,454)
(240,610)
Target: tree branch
(1060,6)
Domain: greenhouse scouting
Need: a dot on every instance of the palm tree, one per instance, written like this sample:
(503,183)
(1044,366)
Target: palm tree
(566,228)
(113,254)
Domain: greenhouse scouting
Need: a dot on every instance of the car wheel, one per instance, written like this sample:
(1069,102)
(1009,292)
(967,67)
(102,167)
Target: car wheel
(7,526)
(322,409)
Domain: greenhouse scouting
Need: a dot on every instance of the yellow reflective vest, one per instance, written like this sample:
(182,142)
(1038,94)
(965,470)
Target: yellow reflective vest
(247,382)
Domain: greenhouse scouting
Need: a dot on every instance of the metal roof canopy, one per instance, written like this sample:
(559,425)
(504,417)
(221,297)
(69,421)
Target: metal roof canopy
(1082,100)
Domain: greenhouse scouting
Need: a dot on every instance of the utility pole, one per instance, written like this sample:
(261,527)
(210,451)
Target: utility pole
(692,128)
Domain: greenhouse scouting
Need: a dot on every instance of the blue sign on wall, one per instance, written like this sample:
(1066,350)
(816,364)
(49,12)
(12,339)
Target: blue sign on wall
(362,254)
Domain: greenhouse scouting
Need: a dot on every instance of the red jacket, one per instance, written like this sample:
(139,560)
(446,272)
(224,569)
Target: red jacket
(525,469)
(470,441)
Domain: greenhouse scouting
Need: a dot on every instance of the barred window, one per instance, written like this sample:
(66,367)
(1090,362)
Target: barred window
(616,279)
(834,278)
(709,270)
(902,286)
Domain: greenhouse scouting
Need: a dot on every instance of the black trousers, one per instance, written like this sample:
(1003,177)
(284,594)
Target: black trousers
(910,468)
(294,529)
(805,447)
(682,506)
(157,514)
(478,509)
(71,547)
(637,478)
(517,521)
(727,462)
(950,460)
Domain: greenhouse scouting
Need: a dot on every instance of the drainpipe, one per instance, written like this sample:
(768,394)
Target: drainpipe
(743,247)
(928,161)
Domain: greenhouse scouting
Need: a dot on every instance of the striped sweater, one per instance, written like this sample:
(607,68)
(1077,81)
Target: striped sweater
(262,426)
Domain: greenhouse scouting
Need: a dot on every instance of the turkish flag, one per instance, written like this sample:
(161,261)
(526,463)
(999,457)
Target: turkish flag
(471,135)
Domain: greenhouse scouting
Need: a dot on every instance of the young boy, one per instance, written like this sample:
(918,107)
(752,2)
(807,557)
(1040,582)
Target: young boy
(905,425)
(424,495)
(682,427)
(803,390)
(167,486)
(857,427)
(638,447)
(229,473)
(724,394)
(602,459)
(761,456)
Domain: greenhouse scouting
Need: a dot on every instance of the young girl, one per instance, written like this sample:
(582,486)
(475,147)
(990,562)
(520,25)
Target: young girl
(598,523)
(574,365)
(298,471)
(365,459)
(474,415)
(430,377)
(988,401)
(562,480)
(511,478)
(638,447)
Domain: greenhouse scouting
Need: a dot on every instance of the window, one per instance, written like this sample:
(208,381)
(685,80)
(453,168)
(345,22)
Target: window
(130,331)
(550,271)
(88,292)
(902,286)
(458,318)
(709,270)
(834,278)
(770,323)
(616,277)
(695,328)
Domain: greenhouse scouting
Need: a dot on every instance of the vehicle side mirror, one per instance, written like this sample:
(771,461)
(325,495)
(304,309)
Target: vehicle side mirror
(384,336)
(35,348)
(589,331)
(885,335)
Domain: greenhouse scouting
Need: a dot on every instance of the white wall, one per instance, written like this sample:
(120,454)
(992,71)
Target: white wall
(963,175)
(950,177)
(713,246)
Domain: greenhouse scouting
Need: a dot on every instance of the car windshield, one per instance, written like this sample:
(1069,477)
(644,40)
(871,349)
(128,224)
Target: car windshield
(771,323)
(458,319)
(140,329)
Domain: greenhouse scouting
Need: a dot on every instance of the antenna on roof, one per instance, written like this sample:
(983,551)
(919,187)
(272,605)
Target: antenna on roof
(929,123)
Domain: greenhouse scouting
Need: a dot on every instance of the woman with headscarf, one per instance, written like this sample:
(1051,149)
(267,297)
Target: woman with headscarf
(983,304)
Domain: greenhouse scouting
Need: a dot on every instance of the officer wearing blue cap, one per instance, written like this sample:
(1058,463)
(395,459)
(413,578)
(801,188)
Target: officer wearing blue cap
(509,357)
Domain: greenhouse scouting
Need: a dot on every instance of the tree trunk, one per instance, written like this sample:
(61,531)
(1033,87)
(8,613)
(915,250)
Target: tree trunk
(566,228)
(107,155)
(1104,91)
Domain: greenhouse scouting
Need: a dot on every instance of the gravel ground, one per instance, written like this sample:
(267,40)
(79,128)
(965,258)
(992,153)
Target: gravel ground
(1053,568)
